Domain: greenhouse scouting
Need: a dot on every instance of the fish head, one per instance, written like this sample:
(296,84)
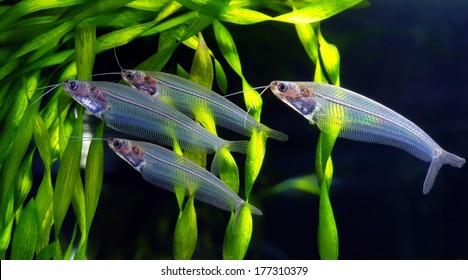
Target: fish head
(141,81)
(297,96)
(91,97)
(128,151)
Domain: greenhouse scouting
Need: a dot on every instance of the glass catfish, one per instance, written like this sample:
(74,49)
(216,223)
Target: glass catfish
(356,117)
(188,96)
(167,169)
(126,110)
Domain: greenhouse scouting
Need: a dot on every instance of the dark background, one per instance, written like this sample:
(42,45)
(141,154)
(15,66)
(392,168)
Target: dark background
(408,55)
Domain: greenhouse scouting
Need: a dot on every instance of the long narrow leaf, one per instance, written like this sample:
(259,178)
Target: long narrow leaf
(79,208)
(67,175)
(186,232)
(327,230)
(94,175)
(24,180)
(85,48)
(316,11)
(25,236)
(238,234)
(30,6)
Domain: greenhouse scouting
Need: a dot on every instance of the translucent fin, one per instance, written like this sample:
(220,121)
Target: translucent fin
(436,164)
(277,135)
(254,209)
(237,146)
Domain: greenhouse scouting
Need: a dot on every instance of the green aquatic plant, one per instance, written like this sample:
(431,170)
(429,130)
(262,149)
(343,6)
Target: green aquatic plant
(44,42)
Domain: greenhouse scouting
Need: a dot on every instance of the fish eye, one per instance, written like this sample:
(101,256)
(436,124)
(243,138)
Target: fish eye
(130,75)
(72,85)
(117,144)
(282,87)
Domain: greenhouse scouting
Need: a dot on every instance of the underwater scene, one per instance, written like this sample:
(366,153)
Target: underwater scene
(243,129)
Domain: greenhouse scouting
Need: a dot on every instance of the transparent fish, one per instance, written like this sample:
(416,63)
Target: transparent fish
(126,110)
(356,117)
(167,169)
(188,96)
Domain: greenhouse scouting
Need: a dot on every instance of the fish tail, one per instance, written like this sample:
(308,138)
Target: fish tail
(237,146)
(275,134)
(444,158)
(253,209)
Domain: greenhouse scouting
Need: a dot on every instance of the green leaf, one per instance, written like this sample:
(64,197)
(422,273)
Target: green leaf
(201,72)
(71,245)
(327,231)
(7,224)
(20,140)
(120,37)
(42,139)
(26,7)
(221,78)
(227,47)
(238,234)
(148,5)
(307,184)
(44,205)
(47,253)
(50,37)
(68,172)
(25,236)
(179,191)
(170,23)
(209,8)
(324,148)
(228,171)
(319,76)
(196,26)
(186,233)
(331,59)
(202,67)
(94,175)
(254,160)
(170,8)
(79,208)
(85,48)
(316,11)
(24,180)
(240,15)
(94,8)
(307,36)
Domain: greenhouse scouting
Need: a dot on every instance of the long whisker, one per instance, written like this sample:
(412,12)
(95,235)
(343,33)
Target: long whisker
(103,74)
(86,138)
(116,58)
(52,87)
(253,104)
(242,91)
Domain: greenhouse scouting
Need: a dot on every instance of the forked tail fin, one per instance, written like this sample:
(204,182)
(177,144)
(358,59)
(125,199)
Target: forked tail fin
(275,134)
(444,158)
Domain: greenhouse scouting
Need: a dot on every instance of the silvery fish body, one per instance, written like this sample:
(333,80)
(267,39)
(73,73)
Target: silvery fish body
(126,110)
(356,117)
(167,169)
(188,97)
